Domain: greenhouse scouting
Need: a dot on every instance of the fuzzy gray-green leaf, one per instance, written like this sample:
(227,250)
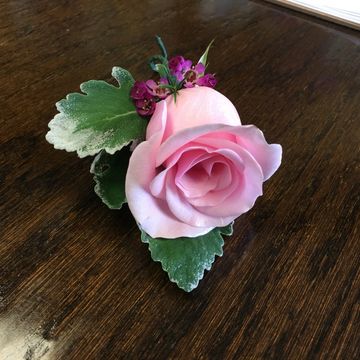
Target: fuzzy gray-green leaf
(102,118)
(186,259)
(109,174)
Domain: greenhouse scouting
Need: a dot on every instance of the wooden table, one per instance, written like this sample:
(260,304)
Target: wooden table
(75,280)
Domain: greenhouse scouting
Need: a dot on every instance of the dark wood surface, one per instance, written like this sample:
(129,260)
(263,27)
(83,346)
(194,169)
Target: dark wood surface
(75,280)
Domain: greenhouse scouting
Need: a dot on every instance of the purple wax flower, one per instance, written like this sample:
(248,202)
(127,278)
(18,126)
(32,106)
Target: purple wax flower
(144,101)
(178,67)
(155,89)
(199,68)
(139,90)
(145,106)
(191,76)
(207,80)
(175,63)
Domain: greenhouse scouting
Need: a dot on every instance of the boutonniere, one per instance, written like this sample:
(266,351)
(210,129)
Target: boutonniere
(174,149)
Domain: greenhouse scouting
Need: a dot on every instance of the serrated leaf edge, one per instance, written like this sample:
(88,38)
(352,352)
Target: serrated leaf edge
(194,285)
(207,268)
(57,123)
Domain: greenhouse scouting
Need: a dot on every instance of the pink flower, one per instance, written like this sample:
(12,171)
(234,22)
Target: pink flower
(179,66)
(192,75)
(139,90)
(145,106)
(199,168)
(144,101)
(207,80)
(155,90)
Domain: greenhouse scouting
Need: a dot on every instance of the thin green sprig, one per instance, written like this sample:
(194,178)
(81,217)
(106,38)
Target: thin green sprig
(161,46)
(160,64)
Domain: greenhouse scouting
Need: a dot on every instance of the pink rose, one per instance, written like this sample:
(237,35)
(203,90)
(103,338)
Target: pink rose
(199,168)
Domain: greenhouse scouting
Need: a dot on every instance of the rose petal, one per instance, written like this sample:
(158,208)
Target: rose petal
(252,139)
(158,183)
(184,211)
(151,213)
(190,157)
(157,122)
(249,137)
(195,182)
(216,198)
(218,169)
(206,106)
(245,194)
(267,155)
(183,138)
(187,213)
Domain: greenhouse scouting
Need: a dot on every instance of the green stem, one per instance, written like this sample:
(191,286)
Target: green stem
(162,46)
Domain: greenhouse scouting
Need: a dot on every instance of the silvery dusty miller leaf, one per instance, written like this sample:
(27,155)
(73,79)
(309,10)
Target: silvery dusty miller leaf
(109,174)
(186,259)
(103,118)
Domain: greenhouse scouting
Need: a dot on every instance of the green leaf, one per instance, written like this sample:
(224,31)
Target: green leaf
(109,174)
(203,59)
(104,118)
(186,259)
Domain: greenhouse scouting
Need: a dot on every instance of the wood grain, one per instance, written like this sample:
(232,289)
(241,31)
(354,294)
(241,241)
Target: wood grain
(75,280)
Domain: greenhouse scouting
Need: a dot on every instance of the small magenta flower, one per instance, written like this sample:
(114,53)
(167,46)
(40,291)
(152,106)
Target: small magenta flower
(193,74)
(138,90)
(155,89)
(178,66)
(207,80)
(175,63)
(146,105)
(144,101)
